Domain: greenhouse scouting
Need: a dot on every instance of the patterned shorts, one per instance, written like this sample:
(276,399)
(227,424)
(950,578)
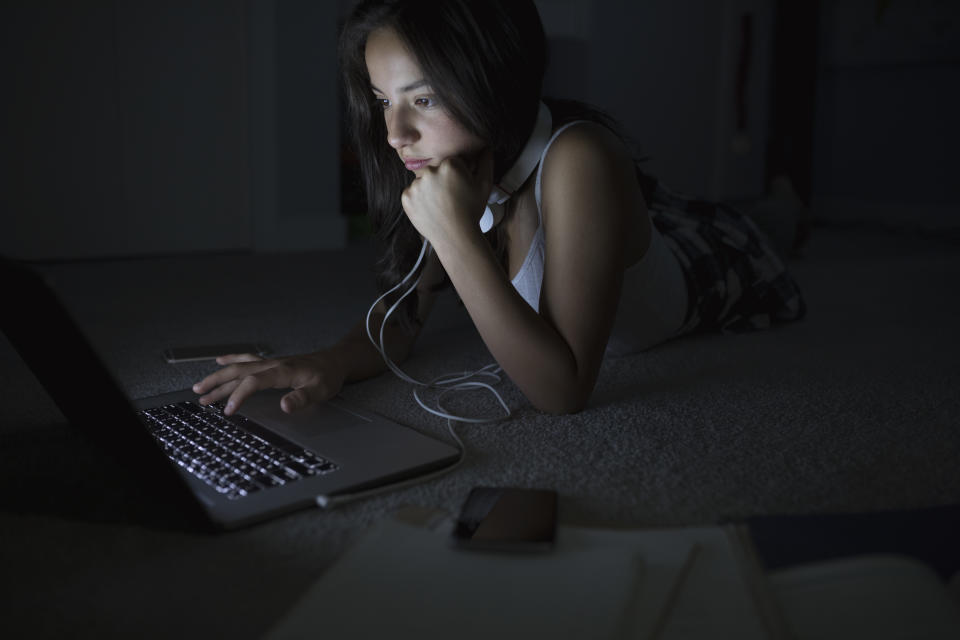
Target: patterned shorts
(735,279)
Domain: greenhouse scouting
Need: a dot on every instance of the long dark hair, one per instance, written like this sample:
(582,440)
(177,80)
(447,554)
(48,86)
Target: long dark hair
(485,60)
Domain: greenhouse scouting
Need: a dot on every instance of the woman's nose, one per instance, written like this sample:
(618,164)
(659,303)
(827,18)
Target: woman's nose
(401,130)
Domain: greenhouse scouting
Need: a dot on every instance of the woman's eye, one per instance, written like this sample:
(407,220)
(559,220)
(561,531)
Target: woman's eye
(421,101)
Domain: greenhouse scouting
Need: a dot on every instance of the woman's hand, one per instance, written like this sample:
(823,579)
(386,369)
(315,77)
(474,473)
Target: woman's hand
(313,377)
(450,198)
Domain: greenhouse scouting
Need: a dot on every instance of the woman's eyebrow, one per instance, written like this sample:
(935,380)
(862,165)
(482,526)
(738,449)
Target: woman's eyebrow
(410,87)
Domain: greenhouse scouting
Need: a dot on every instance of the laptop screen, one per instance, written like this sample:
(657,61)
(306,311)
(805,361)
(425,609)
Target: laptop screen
(48,340)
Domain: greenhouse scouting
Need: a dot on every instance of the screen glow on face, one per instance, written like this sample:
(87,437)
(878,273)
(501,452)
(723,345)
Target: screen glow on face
(418,127)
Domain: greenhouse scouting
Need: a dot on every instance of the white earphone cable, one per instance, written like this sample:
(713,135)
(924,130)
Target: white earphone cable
(449,382)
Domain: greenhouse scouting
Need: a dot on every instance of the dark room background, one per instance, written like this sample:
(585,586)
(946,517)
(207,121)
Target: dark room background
(143,127)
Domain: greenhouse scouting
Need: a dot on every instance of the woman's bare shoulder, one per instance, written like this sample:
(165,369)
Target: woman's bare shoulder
(592,140)
(587,157)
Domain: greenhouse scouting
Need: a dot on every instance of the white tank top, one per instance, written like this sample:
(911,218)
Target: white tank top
(653,301)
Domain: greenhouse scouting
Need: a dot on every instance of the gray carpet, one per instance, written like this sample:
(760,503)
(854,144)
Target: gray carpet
(854,408)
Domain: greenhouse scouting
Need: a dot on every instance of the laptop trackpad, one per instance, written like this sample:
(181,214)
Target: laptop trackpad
(316,421)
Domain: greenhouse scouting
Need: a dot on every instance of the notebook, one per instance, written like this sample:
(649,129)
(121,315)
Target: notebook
(230,472)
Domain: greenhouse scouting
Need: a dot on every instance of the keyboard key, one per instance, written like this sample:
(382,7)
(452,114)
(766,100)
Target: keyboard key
(267,480)
(298,469)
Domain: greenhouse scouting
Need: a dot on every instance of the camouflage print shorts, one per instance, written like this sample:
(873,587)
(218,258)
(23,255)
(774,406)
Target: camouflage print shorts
(735,279)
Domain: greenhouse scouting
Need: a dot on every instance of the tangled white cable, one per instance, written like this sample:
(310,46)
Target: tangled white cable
(448,382)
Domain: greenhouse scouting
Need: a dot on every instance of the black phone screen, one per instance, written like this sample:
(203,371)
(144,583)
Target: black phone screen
(507,519)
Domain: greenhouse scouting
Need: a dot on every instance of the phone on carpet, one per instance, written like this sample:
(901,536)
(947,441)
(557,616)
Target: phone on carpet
(507,519)
(211,351)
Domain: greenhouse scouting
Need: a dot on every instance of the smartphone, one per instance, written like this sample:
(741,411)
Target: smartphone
(211,351)
(507,519)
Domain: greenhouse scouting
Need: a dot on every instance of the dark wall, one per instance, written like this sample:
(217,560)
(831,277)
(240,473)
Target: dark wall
(124,127)
(888,95)
(854,100)
(136,127)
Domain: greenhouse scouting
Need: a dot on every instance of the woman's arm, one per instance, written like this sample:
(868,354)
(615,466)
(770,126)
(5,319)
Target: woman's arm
(594,218)
(590,201)
(315,377)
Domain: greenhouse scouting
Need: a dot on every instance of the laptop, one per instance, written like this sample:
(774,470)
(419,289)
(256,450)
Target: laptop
(226,472)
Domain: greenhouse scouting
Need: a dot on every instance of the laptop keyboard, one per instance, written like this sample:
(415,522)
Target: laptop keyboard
(232,454)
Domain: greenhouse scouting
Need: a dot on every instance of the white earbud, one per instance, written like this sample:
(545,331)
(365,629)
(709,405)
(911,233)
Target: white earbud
(489,219)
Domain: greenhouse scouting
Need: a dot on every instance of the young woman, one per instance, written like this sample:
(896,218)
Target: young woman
(560,249)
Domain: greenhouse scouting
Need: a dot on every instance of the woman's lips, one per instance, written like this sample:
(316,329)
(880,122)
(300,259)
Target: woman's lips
(413,164)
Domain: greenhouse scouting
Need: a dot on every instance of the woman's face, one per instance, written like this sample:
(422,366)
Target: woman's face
(418,126)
